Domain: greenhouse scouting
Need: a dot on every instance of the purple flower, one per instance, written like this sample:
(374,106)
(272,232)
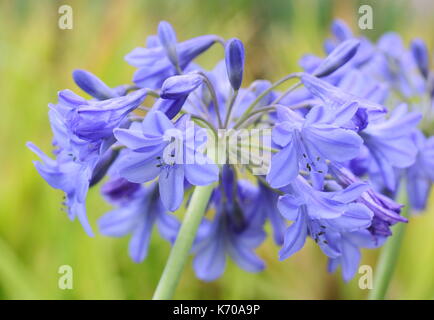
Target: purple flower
(138,217)
(386,211)
(71,177)
(349,244)
(148,158)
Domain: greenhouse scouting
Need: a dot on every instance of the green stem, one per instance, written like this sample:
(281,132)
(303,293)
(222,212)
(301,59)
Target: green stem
(388,258)
(267,91)
(181,249)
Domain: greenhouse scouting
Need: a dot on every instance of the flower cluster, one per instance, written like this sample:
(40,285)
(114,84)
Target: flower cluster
(347,137)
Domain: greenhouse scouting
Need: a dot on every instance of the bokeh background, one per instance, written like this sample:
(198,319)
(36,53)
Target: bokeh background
(36,61)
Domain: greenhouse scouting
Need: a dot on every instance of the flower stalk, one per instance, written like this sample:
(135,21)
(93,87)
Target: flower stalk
(181,249)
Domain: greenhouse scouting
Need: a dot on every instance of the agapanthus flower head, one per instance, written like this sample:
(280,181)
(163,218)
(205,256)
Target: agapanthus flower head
(345,140)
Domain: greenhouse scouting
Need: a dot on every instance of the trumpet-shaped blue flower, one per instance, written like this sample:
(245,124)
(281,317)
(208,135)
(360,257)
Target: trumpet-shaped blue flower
(148,158)
(420,175)
(390,143)
(236,231)
(137,217)
(321,215)
(308,142)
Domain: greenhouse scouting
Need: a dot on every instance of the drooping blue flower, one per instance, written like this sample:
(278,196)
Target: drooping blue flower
(71,177)
(78,164)
(236,230)
(349,244)
(386,211)
(390,143)
(148,158)
(267,206)
(308,142)
(321,215)
(420,175)
(137,216)
(234,58)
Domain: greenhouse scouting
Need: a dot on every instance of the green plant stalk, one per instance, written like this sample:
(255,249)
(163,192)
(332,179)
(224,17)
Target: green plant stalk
(181,249)
(389,257)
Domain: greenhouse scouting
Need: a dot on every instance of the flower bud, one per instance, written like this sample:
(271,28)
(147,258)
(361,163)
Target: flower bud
(234,57)
(92,85)
(170,107)
(420,55)
(337,58)
(178,86)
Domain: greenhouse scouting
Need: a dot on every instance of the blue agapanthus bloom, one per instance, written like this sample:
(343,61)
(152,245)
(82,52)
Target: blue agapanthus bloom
(139,210)
(147,160)
(338,147)
(236,230)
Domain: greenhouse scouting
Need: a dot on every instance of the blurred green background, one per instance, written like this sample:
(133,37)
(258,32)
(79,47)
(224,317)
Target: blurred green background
(36,61)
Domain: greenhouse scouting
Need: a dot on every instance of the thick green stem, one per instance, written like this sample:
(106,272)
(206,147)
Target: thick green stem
(388,258)
(181,249)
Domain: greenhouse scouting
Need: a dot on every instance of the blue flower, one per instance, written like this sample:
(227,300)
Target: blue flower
(308,142)
(236,230)
(137,217)
(420,175)
(390,143)
(71,177)
(322,216)
(333,97)
(147,159)
(386,211)
(95,120)
(349,244)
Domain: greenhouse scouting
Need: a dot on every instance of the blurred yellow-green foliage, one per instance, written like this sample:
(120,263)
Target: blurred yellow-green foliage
(36,61)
